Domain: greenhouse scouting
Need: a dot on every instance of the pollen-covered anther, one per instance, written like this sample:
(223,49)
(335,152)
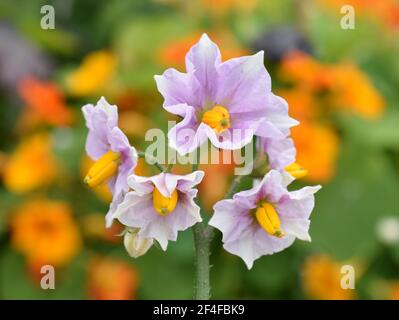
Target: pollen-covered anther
(217,118)
(164,205)
(295,170)
(269,220)
(103,169)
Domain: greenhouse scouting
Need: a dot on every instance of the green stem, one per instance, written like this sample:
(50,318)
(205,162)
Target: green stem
(203,235)
(202,243)
(144,155)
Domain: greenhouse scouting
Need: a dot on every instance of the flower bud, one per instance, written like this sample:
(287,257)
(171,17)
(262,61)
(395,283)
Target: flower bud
(135,244)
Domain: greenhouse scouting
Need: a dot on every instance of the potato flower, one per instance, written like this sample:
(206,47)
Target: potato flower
(109,146)
(226,102)
(159,206)
(265,219)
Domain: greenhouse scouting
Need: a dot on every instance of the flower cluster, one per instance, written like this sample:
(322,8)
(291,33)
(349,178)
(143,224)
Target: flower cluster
(228,103)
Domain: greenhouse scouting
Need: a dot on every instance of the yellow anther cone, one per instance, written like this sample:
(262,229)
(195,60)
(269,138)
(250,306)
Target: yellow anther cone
(295,170)
(217,118)
(103,169)
(269,220)
(164,205)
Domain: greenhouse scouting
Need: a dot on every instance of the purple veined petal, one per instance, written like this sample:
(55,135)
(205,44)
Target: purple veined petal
(124,171)
(110,110)
(101,116)
(287,179)
(186,136)
(95,147)
(97,123)
(136,210)
(280,152)
(159,231)
(202,60)
(187,182)
(267,244)
(296,227)
(232,139)
(267,129)
(141,185)
(165,183)
(297,204)
(277,113)
(179,88)
(118,141)
(230,218)
(116,201)
(273,188)
(244,248)
(179,109)
(249,198)
(243,84)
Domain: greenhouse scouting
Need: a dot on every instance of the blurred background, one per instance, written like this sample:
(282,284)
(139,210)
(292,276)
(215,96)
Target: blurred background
(343,85)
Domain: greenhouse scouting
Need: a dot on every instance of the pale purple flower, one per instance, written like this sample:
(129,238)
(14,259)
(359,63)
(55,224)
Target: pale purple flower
(104,135)
(137,209)
(242,233)
(242,86)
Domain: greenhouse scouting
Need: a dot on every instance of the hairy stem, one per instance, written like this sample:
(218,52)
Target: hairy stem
(202,252)
(203,235)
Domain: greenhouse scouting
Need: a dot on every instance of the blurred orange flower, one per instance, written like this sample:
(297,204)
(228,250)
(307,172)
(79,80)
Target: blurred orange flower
(46,101)
(31,165)
(334,87)
(45,232)
(321,279)
(215,184)
(173,53)
(317,150)
(111,279)
(353,91)
(93,74)
(304,71)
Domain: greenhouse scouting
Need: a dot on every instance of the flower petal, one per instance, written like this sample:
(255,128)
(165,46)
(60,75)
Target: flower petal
(178,88)
(202,60)
(298,204)
(243,84)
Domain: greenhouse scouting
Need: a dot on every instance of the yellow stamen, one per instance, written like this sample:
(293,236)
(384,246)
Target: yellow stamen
(103,169)
(268,219)
(217,118)
(164,205)
(295,170)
